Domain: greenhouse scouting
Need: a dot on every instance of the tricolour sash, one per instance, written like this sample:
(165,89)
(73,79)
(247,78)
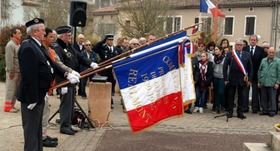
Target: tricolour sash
(240,65)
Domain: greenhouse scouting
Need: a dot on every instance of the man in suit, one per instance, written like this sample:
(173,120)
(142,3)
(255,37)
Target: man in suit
(87,53)
(240,76)
(79,46)
(37,72)
(257,54)
(106,50)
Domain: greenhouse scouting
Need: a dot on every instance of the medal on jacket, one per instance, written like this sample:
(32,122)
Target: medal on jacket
(106,54)
(50,66)
(246,78)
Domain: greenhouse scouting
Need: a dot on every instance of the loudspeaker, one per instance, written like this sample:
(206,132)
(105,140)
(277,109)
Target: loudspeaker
(78,16)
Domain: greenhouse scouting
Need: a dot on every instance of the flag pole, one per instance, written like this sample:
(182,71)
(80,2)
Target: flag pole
(108,63)
(215,23)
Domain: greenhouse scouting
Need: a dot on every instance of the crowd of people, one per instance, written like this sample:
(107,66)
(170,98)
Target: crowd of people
(47,56)
(222,70)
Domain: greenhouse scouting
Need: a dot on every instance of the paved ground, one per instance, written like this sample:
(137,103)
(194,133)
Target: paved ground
(195,132)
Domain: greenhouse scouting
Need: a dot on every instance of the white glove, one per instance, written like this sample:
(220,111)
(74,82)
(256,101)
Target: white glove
(31,106)
(64,90)
(94,65)
(72,78)
(75,73)
(46,97)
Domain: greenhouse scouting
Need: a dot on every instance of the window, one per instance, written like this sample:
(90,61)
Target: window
(228,29)
(250,23)
(172,24)
(106,28)
(206,26)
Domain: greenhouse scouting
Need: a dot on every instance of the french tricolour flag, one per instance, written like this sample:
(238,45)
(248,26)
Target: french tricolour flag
(150,85)
(186,73)
(206,6)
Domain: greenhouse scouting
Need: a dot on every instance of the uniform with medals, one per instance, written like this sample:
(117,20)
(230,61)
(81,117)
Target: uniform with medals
(71,58)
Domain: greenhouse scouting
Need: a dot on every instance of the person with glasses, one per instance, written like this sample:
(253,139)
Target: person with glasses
(88,53)
(133,43)
(265,45)
(240,67)
(200,49)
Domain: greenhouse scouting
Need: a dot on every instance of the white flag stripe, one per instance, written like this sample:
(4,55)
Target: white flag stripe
(187,82)
(159,46)
(156,88)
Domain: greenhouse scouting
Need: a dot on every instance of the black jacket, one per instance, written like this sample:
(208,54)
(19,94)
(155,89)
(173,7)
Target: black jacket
(259,54)
(209,75)
(37,72)
(236,76)
(70,57)
(105,53)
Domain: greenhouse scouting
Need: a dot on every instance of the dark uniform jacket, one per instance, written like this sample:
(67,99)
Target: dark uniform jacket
(70,57)
(236,76)
(37,72)
(105,53)
(259,54)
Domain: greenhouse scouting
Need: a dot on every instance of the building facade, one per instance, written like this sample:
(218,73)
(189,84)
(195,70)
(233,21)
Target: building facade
(242,19)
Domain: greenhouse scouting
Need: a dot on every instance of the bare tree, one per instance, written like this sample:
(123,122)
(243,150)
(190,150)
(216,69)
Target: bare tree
(54,12)
(139,18)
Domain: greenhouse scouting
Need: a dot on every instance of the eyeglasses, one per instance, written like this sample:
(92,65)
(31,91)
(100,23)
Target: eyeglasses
(87,44)
(135,44)
(265,47)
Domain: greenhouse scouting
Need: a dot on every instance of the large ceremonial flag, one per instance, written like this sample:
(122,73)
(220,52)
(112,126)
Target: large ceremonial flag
(150,84)
(186,72)
(206,6)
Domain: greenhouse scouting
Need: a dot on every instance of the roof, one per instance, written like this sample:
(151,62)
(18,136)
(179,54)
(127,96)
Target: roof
(185,4)
(109,10)
(228,3)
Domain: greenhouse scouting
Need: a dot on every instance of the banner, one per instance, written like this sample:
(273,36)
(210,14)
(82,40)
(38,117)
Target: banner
(186,73)
(150,85)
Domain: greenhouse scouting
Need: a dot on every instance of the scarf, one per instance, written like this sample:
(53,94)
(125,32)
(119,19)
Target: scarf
(203,70)
(17,41)
(218,59)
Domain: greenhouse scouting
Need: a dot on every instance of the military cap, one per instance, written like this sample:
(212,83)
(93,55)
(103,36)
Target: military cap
(63,29)
(109,36)
(34,21)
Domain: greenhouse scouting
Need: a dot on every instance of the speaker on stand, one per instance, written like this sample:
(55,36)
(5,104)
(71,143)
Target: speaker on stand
(78,15)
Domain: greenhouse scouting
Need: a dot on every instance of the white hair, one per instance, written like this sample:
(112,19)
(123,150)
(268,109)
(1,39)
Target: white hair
(33,27)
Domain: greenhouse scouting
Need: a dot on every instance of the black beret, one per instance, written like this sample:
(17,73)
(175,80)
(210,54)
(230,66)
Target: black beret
(109,36)
(63,29)
(34,21)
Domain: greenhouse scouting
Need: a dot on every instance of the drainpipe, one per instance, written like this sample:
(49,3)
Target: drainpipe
(272,33)
(276,24)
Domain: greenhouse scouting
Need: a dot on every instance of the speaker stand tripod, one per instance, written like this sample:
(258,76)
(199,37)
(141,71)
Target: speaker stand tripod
(225,114)
(76,102)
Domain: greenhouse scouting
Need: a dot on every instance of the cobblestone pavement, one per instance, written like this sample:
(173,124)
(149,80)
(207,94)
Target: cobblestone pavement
(204,125)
